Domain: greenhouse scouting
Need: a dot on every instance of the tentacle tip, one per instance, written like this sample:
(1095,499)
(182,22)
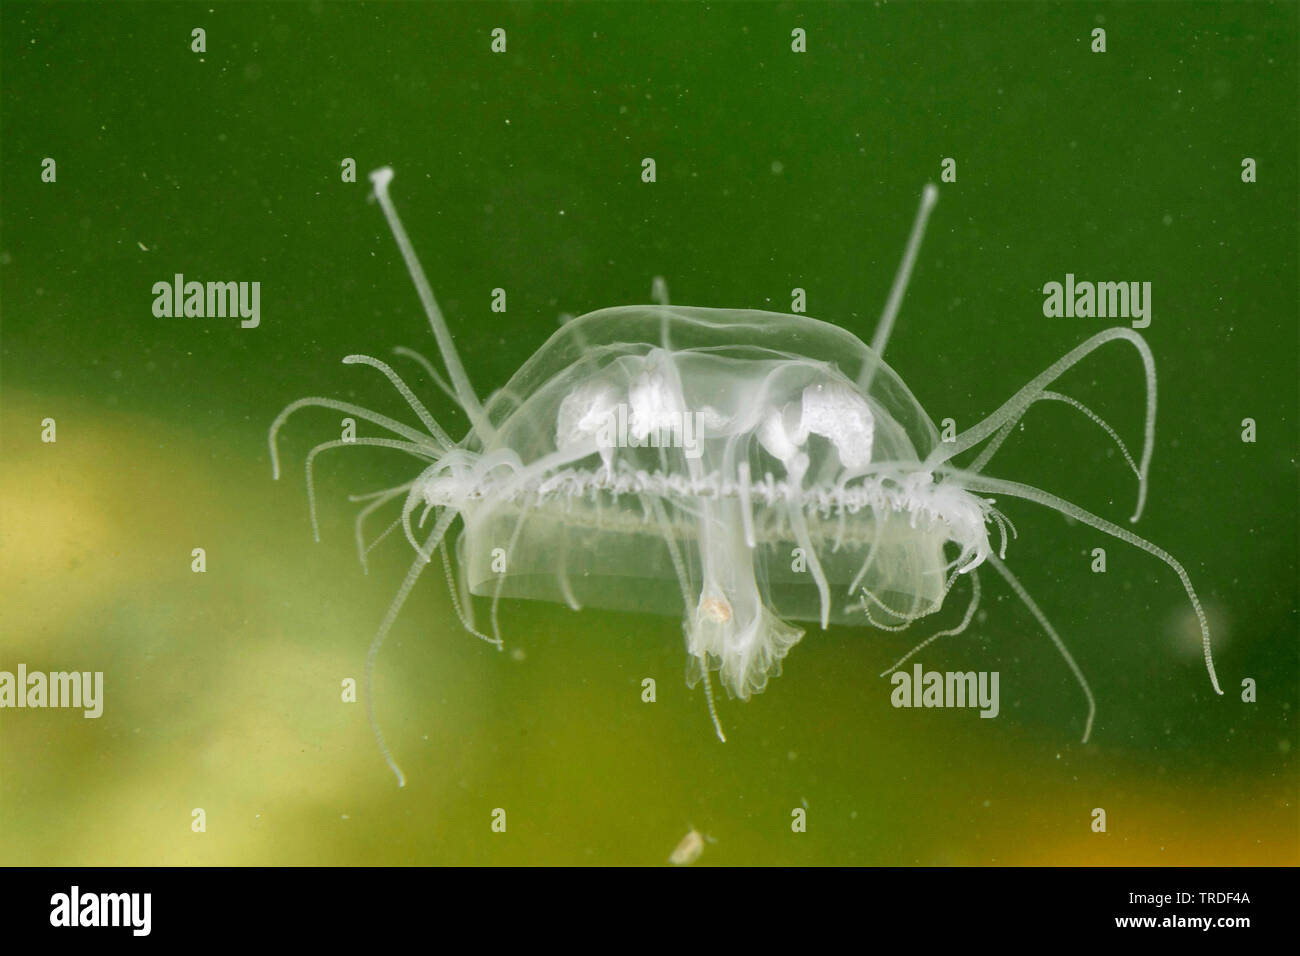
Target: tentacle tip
(381,177)
(397,772)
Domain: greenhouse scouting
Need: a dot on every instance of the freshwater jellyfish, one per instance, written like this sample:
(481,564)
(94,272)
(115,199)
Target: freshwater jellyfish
(746,469)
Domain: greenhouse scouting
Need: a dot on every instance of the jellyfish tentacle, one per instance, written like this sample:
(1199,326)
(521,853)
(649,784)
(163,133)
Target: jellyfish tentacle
(501,578)
(562,578)
(1013,408)
(429,370)
(971,608)
(989,450)
(1016,489)
(376,501)
(379,539)
(348,408)
(404,390)
(683,581)
(885,325)
(746,505)
(871,556)
(380,179)
(413,498)
(1014,582)
(913,615)
(708,696)
(394,608)
(415,451)
(796,470)
(865,607)
(466,621)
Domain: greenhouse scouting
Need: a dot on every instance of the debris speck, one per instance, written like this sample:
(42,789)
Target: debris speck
(689,850)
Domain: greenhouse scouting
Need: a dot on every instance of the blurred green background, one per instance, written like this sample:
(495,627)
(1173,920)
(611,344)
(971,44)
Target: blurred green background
(776,170)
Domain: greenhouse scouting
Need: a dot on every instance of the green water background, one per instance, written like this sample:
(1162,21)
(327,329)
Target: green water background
(776,170)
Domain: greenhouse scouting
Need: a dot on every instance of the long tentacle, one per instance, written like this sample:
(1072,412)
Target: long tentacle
(1014,407)
(929,196)
(348,408)
(804,540)
(1046,625)
(429,370)
(871,556)
(412,575)
(975,482)
(989,450)
(380,179)
(416,405)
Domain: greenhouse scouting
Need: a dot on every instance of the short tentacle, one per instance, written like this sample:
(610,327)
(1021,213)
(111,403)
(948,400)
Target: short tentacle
(376,501)
(456,605)
(971,608)
(408,447)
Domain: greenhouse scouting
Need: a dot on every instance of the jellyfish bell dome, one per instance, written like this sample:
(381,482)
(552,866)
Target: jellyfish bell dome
(742,462)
